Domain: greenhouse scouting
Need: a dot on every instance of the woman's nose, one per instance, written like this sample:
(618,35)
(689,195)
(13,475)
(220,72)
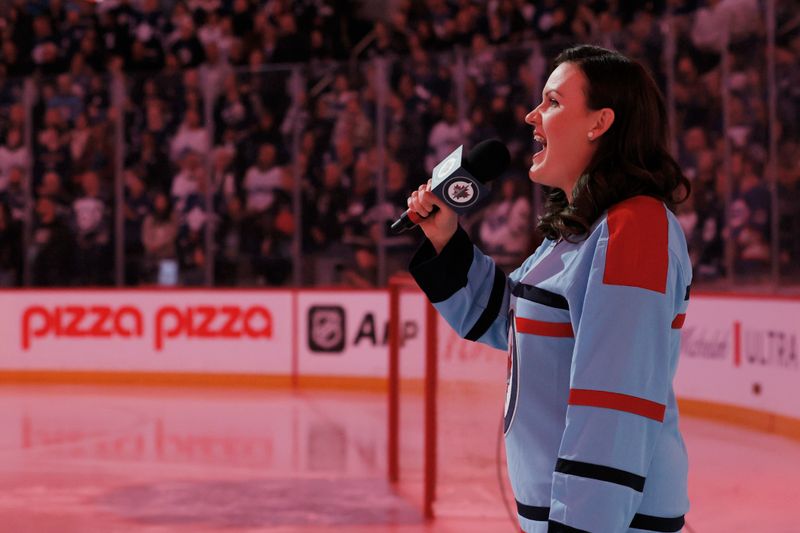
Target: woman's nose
(532,117)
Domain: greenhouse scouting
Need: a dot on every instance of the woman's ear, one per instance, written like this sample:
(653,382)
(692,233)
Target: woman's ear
(604,120)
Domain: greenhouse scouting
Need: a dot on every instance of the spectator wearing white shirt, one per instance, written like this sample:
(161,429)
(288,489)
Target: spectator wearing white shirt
(191,135)
(15,195)
(738,18)
(12,154)
(211,31)
(223,181)
(504,226)
(185,181)
(445,136)
(93,233)
(215,69)
(261,180)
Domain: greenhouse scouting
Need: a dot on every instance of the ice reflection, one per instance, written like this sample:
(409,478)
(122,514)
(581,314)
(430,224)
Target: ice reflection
(275,432)
(210,458)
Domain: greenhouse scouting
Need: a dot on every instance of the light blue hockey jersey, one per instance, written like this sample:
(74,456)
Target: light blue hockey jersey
(593,335)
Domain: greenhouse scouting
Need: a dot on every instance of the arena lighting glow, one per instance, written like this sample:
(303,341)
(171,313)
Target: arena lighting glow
(232,381)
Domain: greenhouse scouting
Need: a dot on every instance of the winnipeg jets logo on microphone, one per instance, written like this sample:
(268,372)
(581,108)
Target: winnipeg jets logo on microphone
(459,192)
(454,183)
(460,181)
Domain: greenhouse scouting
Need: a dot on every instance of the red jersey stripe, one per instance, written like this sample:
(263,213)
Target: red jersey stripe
(545,329)
(618,402)
(638,244)
(679,320)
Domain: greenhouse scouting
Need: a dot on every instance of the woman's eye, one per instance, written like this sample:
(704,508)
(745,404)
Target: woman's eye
(553,102)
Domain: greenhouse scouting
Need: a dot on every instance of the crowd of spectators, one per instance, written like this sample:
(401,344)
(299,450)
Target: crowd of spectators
(249,129)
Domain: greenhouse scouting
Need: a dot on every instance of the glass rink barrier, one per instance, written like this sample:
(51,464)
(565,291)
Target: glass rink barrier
(291,174)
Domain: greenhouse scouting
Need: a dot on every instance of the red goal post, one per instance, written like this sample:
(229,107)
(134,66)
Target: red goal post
(444,426)
(398,285)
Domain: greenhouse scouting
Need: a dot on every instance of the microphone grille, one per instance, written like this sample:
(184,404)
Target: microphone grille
(487,160)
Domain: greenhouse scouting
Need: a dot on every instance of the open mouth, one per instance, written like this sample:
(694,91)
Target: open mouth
(540,146)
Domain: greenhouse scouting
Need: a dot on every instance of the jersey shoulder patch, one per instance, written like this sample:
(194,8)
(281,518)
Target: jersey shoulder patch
(638,244)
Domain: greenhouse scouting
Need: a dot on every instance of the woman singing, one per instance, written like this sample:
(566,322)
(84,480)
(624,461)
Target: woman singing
(592,319)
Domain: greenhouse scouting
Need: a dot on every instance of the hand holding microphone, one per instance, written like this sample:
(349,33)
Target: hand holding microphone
(436,219)
(457,186)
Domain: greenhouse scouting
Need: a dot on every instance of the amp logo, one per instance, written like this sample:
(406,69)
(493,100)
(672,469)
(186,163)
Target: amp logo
(328,331)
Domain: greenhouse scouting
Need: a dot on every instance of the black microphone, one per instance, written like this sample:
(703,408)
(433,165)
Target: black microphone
(460,183)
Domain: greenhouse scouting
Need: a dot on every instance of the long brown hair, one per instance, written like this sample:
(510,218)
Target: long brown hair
(632,156)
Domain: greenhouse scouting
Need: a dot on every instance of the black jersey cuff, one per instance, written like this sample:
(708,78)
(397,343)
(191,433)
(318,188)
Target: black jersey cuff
(441,276)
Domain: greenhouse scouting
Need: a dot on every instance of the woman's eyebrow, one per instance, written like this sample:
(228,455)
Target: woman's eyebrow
(548,91)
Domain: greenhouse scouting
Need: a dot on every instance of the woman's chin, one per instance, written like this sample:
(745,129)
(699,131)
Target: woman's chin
(535,174)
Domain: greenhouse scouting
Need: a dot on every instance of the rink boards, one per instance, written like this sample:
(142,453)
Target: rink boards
(739,351)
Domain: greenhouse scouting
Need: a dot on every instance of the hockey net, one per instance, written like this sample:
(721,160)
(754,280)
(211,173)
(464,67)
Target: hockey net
(446,398)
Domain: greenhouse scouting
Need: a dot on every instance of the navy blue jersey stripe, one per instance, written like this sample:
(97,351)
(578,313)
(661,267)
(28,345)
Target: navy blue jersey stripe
(600,473)
(657,523)
(492,309)
(442,275)
(532,512)
(640,521)
(513,374)
(688,290)
(540,296)
(558,527)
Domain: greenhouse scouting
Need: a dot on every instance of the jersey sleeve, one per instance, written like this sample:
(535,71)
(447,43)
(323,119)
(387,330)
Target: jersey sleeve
(467,288)
(621,372)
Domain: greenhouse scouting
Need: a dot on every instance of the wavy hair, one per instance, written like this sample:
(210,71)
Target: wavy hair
(632,157)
